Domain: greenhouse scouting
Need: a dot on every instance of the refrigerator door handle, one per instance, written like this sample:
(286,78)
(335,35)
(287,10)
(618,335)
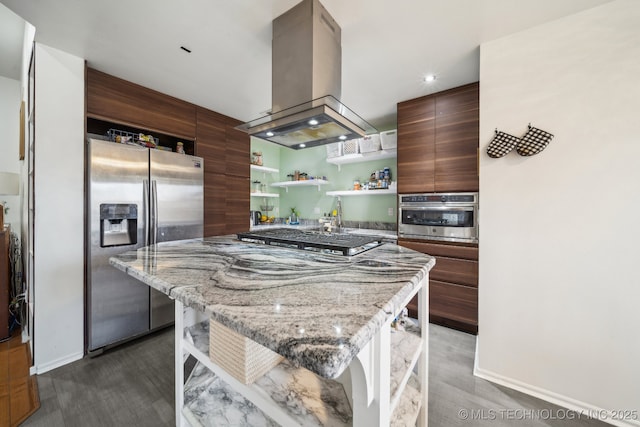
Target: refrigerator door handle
(154,212)
(145,210)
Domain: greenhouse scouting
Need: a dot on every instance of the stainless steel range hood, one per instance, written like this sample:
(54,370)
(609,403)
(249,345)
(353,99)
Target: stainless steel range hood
(306,83)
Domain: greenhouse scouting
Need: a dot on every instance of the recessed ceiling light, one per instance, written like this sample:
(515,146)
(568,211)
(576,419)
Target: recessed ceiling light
(313,122)
(429,78)
(270,134)
(343,137)
(302,145)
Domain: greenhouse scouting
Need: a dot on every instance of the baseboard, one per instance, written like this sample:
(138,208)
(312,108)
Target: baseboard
(579,407)
(46,367)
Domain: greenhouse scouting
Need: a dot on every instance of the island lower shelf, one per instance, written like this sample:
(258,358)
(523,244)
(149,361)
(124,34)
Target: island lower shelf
(289,395)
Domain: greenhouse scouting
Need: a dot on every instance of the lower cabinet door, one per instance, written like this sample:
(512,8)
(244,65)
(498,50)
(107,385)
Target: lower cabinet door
(452,270)
(453,305)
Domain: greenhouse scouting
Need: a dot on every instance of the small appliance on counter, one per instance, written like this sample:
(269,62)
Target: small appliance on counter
(254,217)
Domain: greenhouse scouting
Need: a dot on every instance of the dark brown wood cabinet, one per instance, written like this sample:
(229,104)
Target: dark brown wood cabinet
(453,284)
(112,99)
(237,204)
(237,149)
(226,178)
(113,102)
(454,306)
(416,146)
(5,281)
(238,171)
(215,198)
(211,139)
(438,152)
(438,142)
(456,139)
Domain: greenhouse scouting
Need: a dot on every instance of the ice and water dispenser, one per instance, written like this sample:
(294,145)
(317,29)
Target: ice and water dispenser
(118,224)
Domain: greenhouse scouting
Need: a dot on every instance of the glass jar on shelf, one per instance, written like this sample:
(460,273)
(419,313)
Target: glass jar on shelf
(256,158)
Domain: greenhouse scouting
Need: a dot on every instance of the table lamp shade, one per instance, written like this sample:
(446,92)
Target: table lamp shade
(9,184)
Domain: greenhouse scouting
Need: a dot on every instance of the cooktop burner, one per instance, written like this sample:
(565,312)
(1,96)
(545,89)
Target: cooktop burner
(343,244)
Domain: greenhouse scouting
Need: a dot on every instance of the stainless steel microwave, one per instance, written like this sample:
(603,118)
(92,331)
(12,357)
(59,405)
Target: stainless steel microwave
(439,216)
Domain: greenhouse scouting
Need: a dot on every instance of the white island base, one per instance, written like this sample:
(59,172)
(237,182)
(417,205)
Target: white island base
(379,388)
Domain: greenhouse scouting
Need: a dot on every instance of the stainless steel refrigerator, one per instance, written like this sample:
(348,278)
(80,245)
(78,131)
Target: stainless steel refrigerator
(136,197)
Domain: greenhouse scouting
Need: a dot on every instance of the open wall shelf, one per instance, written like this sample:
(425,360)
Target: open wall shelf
(302,183)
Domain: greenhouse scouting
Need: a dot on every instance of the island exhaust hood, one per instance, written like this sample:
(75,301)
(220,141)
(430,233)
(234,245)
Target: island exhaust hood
(307,83)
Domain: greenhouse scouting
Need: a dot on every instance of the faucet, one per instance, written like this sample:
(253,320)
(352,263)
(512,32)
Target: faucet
(327,224)
(339,216)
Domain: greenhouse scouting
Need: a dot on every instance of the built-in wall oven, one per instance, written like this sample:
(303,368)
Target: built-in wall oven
(439,216)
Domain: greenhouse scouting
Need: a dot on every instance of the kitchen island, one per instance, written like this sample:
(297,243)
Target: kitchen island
(329,316)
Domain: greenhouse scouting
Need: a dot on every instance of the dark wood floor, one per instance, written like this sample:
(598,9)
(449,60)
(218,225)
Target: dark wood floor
(133,386)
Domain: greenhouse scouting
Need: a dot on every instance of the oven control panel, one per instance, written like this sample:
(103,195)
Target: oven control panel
(470,198)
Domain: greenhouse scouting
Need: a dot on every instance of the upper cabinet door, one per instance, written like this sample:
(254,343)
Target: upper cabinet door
(211,139)
(416,145)
(456,134)
(237,152)
(112,99)
(438,142)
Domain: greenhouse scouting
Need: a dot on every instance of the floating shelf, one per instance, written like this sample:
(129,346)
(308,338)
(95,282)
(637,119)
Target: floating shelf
(363,157)
(276,195)
(302,183)
(264,169)
(362,192)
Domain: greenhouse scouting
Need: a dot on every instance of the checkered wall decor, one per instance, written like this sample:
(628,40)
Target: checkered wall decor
(533,142)
(501,144)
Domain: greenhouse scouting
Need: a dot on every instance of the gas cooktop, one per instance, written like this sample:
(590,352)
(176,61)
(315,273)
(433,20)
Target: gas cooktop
(334,243)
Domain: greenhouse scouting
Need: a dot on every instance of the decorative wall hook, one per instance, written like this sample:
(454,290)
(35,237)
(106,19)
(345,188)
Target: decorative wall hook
(534,141)
(501,144)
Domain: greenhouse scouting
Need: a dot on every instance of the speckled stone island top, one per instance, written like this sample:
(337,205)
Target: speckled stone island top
(317,310)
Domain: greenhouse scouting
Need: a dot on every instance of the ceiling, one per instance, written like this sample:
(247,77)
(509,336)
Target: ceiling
(387,47)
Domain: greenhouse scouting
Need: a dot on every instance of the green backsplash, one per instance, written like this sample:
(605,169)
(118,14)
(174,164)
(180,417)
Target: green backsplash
(271,159)
(307,199)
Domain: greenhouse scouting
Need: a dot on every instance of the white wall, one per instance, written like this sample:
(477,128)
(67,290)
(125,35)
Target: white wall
(59,191)
(559,291)
(27,48)
(10,131)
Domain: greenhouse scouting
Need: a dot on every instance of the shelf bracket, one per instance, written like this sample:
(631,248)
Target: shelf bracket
(370,373)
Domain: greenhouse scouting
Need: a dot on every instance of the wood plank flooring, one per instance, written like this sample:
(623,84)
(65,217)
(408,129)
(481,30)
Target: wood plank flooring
(133,386)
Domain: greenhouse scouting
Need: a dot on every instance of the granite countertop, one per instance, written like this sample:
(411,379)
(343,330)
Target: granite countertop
(317,310)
